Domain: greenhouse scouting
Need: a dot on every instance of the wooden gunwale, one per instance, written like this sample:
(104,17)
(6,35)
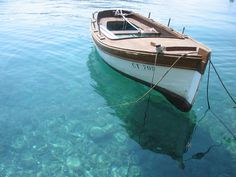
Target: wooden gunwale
(145,19)
(190,62)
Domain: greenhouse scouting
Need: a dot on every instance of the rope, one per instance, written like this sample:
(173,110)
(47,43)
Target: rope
(146,111)
(222,82)
(145,94)
(222,122)
(120,12)
(208,83)
(162,77)
(200,155)
(208,102)
(207,93)
(149,96)
(155,63)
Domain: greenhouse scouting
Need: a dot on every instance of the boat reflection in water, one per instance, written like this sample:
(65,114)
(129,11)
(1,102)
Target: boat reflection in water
(168,134)
(163,130)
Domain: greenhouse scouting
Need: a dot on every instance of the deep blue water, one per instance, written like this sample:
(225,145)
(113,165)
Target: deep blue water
(56,93)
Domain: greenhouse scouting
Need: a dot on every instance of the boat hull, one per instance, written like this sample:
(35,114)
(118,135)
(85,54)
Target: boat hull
(179,86)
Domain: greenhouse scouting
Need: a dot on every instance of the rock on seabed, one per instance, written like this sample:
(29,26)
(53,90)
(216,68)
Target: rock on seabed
(73,162)
(96,132)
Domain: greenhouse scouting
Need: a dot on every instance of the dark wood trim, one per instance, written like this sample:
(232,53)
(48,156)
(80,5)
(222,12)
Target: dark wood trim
(192,63)
(181,48)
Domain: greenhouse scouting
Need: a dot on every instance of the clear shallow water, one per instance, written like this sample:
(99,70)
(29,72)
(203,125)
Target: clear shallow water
(55,92)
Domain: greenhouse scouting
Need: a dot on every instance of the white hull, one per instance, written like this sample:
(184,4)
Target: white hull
(181,82)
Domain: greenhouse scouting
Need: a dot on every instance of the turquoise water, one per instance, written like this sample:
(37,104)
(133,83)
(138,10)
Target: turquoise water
(55,94)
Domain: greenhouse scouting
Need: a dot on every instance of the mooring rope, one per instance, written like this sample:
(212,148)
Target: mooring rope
(221,81)
(120,12)
(149,96)
(207,93)
(201,155)
(208,101)
(154,70)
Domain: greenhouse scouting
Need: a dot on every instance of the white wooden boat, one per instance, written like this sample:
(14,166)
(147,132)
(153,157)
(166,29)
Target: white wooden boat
(151,53)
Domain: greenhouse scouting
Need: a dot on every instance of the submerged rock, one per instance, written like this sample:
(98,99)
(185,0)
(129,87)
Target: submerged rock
(19,143)
(134,171)
(73,162)
(96,132)
(120,137)
(28,161)
(101,134)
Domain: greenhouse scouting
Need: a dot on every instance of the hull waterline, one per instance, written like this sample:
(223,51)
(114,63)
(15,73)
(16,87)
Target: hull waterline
(176,87)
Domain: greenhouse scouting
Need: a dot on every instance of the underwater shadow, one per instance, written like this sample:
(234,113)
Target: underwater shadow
(160,130)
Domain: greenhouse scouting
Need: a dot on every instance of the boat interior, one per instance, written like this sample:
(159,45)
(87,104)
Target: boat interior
(119,24)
